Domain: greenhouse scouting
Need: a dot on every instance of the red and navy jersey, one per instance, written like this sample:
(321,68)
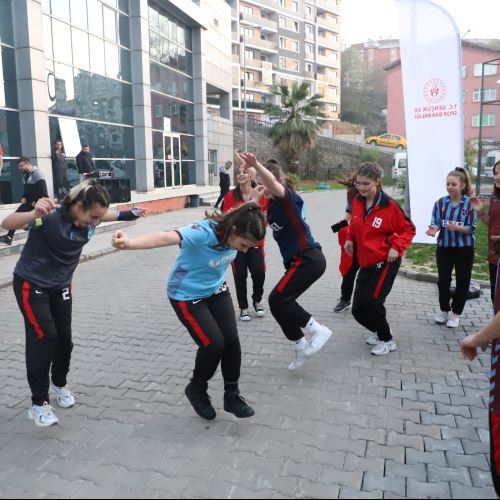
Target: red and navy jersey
(462,214)
(377,230)
(52,251)
(290,230)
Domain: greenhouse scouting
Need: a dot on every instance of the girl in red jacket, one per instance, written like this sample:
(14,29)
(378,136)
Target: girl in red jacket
(254,259)
(382,234)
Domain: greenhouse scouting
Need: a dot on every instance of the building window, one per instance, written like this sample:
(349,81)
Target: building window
(489,69)
(488,95)
(295,66)
(309,48)
(283,81)
(282,42)
(464,70)
(248,32)
(296,26)
(250,97)
(394,54)
(295,46)
(283,4)
(249,75)
(309,67)
(489,120)
(309,29)
(295,6)
(282,62)
(247,10)
(309,9)
(282,22)
(249,54)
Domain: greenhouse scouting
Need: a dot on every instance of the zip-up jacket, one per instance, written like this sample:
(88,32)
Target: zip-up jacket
(377,230)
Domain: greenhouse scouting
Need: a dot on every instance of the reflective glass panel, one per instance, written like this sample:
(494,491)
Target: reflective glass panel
(80,48)
(109,18)
(112,55)
(62,38)
(83,94)
(94,8)
(9,77)
(125,65)
(124,30)
(45,5)
(158,145)
(10,134)
(154,18)
(60,9)
(97,55)
(79,13)
(6,33)
(47,37)
(171,82)
(65,90)
(179,113)
(123,6)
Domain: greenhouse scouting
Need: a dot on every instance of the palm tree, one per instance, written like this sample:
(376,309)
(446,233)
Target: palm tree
(296,129)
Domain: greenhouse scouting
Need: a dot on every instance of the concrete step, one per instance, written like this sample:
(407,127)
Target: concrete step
(21,236)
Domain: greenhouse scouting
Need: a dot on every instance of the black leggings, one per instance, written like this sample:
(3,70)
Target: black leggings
(349,280)
(253,260)
(462,260)
(372,288)
(304,270)
(20,209)
(211,322)
(47,319)
(223,192)
(493,280)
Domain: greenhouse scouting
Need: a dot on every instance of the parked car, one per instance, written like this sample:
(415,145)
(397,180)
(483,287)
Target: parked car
(399,164)
(388,140)
(491,158)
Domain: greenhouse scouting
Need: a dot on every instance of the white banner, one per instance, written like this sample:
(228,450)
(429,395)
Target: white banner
(432,88)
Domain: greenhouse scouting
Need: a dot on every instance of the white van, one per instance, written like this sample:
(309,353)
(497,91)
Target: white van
(491,158)
(399,164)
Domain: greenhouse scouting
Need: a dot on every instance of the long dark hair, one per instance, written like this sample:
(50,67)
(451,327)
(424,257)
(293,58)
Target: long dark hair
(496,191)
(275,168)
(88,193)
(463,175)
(247,221)
(349,182)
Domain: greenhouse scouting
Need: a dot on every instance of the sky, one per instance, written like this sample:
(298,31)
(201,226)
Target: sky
(365,19)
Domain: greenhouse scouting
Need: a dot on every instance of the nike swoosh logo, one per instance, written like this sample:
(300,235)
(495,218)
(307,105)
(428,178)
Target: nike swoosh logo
(196,301)
(38,293)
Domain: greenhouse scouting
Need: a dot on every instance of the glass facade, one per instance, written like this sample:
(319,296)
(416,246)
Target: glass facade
(88,71)
(171,71)
(10,135)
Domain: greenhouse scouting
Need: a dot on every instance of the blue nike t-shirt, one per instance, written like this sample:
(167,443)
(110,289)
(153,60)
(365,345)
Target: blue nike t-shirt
(201,266)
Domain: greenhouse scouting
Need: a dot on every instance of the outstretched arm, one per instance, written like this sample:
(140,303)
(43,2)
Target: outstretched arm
(152,240)
(481,339)
(249,160)
(113,215)
(19,220)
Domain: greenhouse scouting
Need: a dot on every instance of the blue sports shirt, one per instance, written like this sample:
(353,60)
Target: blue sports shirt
(462,214)
(201,266)
(290,230)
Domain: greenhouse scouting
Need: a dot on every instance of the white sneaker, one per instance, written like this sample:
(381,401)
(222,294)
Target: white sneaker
(318,340)
(245,315)
(259,309)
(454,321)
(64,397)
(373,340)
(384,348)
(442,317)
(299,358)
(43,416)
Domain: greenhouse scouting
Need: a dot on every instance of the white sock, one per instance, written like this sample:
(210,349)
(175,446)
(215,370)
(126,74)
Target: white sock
(312,326)
(301,344)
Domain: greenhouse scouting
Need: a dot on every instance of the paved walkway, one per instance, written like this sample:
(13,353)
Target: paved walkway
(412,424)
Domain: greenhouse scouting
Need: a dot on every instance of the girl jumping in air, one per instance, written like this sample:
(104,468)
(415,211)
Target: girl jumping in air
(254,260)
(201,299)
(42,285)
(454,221)
(302,256)
(382,234)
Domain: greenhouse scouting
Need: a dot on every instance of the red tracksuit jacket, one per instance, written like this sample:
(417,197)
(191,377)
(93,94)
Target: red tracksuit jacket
(383,228)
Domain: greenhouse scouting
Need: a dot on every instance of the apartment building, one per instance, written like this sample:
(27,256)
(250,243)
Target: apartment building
(282,41)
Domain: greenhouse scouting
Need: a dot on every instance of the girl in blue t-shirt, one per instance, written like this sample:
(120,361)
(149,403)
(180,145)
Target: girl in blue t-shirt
(302,256)
(201,299)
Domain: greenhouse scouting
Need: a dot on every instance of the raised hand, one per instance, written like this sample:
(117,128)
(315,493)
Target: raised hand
(44,206)
(476,203)
(120,240)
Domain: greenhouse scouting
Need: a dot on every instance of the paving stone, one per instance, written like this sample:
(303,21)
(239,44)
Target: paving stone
(392,485)
(463,411)
(454,445)
(425,457)
(417,489)
(377,436)
(374,465)
(474,461)
(446,420)
(416,471)
(481,478)
(458,475)
(349,493)
(396,453)
(423,430)
(473,447)
(416,442)
(460,491)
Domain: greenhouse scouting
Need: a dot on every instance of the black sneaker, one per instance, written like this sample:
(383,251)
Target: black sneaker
(235,404)
(342,306)
(200,401)
(259,309)
(6,239)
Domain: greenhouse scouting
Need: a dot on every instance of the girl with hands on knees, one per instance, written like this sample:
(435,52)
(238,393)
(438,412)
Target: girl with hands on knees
(454,223)
(490,215)
(200,297)
(382,234)
(302,257)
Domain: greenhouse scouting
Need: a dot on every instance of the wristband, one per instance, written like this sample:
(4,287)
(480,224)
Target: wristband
(340,225)
(128,214)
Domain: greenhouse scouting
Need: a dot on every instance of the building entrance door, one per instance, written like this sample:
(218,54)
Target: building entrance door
(172,164)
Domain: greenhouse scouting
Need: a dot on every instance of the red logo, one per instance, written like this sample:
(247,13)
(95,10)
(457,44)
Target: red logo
(434,90)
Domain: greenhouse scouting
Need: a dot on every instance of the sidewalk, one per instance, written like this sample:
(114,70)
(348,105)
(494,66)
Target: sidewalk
(411,424)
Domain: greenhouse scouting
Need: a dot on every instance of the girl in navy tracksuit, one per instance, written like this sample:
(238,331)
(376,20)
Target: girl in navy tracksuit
(454,222)
(42,285)
(302,256)
(382,234)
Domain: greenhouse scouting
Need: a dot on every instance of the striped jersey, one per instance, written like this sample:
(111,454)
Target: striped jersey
(462,214)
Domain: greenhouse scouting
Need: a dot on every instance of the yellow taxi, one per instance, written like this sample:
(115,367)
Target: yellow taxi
(388,140)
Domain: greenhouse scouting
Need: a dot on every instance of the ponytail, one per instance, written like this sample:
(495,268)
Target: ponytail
(246,221)
(463,175)
(88,193)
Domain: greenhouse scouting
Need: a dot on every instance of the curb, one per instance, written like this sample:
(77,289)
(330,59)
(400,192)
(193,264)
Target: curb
(433,278)
(84,258)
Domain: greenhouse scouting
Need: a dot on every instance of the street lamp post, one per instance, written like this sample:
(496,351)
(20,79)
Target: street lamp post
(244,82)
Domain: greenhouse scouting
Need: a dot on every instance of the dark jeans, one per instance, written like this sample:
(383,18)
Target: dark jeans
(223,192)
(349,280)
(61,183)
(372,288)
(212,325)
(47,319)
(302,273)
(493,280)
(254,260)
(25,207)
(462,260)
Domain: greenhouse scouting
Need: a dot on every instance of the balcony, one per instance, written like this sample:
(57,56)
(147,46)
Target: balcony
(262,22)
(256,85)
(266,6)
(327,23)
(263,45)
(328,42)
(329,61)
(309,75)
(328,78)
(327,6)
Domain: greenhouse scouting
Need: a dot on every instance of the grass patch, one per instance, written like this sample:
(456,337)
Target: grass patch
(315,187)
(422,256)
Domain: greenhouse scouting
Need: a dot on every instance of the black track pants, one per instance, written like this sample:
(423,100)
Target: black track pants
(255,262)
